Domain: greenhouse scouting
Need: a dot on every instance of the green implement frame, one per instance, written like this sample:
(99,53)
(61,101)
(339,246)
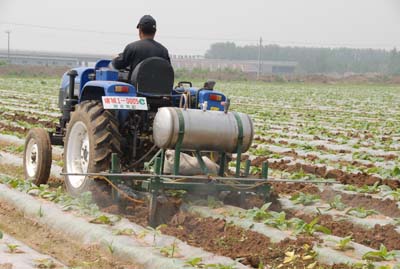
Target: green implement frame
(155,182)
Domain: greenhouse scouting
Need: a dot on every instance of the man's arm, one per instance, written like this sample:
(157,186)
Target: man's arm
(123,60)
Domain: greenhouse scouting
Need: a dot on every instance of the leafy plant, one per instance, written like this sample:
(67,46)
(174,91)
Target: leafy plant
(12,248)
(304,198)
(45,263)
(105,219)
(40,212)
(259,214)
(126,231)
(381,255)
(302,227)
(1,234)
(360,212)
(394,193)
(195,262)
(278,220)
(169,251)
(337,204)
(344,244)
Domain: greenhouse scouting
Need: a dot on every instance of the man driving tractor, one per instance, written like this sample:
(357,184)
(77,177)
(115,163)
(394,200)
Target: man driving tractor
(146,47)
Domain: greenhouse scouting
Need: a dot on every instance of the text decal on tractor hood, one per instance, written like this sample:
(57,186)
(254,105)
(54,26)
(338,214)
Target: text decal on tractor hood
(118,102)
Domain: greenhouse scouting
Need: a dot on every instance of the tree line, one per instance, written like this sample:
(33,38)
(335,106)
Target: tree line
(314,60)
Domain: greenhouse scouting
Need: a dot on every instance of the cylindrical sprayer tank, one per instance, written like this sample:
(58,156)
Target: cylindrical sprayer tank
(203,130)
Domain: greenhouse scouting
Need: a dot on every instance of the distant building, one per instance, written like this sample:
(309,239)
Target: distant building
(189,62)
(267,67)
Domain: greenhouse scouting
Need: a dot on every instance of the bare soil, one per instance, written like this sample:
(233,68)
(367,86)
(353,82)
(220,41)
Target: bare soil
(223,238)
(380,234)
(54,243)
(387,207)
(359,179)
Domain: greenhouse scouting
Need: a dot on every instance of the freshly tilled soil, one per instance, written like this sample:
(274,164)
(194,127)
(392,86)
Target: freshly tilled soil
(252,248)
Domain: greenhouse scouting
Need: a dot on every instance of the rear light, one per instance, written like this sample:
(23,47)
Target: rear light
(121,89)
(215,97)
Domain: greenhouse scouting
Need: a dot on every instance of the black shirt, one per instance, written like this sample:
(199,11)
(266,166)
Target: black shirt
(138,51)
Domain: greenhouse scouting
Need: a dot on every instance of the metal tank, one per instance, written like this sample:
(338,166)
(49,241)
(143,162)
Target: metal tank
(202,130)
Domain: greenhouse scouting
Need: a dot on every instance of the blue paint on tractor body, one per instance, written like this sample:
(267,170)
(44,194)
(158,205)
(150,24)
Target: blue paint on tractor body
(102,80)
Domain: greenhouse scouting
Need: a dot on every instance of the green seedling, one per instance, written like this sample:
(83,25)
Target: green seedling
(1,235)
(40,212)
(169,251)
(394,193)
(259,214)
(381,255)
(126,231)
(361,212)
(350,188)
(15,149)
(103,219)
(302,227)
(304,198)
(111,248)
(370,189)
(278,220)
(344,244)
(12,248)
(45,263)
(337,204)
(195,262)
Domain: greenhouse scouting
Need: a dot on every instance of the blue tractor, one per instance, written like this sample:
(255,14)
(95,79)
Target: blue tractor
(118,125)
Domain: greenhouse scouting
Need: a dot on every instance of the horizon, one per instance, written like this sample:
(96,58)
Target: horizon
(190,28)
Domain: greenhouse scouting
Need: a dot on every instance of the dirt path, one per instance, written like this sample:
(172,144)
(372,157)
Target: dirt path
(16,254)
(55,244)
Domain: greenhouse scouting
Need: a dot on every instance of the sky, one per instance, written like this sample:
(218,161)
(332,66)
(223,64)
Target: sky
(189,27)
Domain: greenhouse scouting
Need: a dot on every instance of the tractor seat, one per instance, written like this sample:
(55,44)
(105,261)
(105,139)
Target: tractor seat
(153,77)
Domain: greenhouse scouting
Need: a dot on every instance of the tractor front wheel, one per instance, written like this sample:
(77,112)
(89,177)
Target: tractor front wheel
(92,135)
(37,156)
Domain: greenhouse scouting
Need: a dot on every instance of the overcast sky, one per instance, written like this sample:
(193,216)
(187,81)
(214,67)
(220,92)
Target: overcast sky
(189,27)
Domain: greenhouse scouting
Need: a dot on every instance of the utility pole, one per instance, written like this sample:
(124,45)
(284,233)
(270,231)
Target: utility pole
(259,59)
(8,32)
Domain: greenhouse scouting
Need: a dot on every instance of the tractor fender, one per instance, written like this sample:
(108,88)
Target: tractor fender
(94,90)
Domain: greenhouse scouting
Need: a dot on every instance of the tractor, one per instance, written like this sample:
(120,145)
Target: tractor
(136,131)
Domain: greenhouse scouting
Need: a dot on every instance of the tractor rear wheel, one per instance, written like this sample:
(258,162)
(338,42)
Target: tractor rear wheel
(37,156)
(92,135)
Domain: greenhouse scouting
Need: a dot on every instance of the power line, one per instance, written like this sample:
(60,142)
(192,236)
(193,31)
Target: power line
(281,42)
(120,33)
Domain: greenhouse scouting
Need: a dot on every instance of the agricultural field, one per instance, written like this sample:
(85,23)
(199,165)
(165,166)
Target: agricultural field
(344,138)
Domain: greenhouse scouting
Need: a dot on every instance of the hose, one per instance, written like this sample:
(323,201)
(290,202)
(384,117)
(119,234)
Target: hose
(126,196)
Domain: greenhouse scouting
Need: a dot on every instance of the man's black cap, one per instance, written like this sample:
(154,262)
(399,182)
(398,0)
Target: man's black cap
(147,22)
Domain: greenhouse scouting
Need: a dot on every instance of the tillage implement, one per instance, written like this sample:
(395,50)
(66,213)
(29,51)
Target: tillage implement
(144,137)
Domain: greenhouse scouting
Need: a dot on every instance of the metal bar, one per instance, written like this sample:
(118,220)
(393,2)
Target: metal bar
(115,169)
(203,166)
(222,164)
(154,187)
(239,143)
(162,160)
(179,142)
(201,177)
(264,170)
(157,166)
(247,168)
(155,156)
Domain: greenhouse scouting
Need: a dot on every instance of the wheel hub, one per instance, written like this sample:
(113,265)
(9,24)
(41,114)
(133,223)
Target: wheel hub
(32,158)
(78,153)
